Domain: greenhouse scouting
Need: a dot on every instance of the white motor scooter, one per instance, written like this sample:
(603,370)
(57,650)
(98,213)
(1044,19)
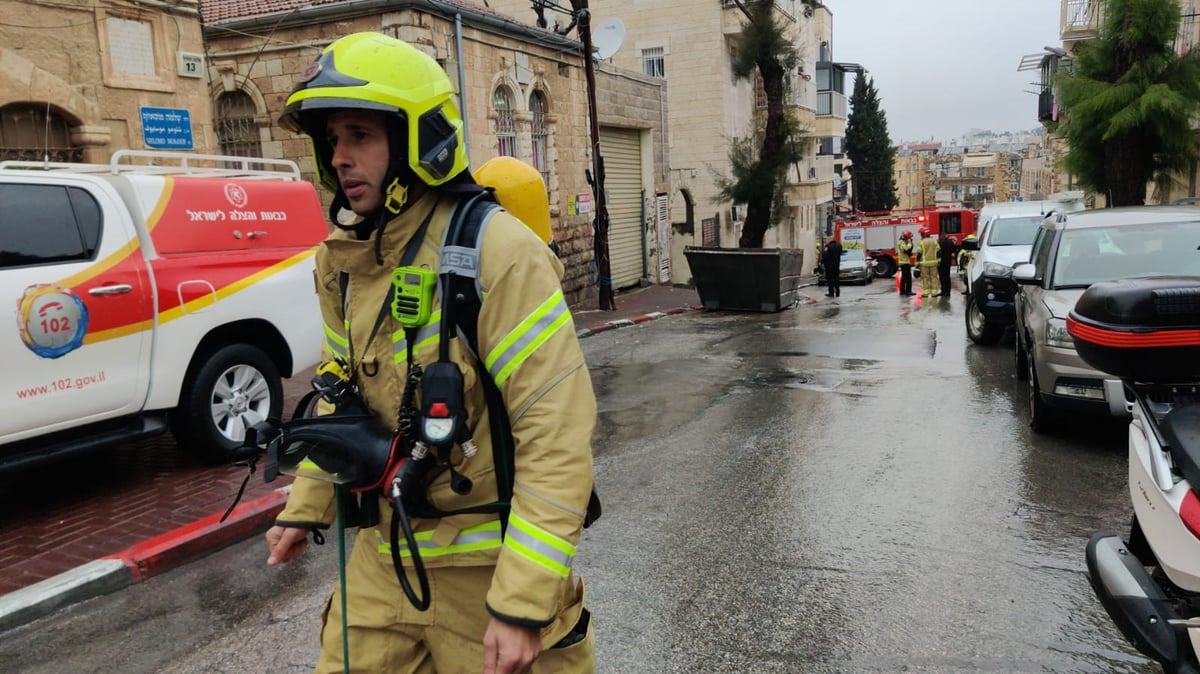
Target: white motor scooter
(1149,583)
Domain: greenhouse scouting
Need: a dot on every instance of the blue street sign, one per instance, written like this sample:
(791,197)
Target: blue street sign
(167,128)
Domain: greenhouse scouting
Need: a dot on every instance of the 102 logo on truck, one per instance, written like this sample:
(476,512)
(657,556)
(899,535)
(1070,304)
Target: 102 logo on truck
(175,289)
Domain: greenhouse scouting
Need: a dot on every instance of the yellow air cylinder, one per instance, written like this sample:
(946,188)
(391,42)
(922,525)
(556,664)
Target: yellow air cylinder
(521,191)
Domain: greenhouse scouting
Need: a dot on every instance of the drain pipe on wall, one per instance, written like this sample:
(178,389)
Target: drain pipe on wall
(462,83)
(645,244)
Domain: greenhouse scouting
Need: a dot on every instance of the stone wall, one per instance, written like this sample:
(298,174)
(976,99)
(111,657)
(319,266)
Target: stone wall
(491,58)
(97,64)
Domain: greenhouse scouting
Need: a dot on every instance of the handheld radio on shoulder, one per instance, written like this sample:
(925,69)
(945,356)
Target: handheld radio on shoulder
(412,295)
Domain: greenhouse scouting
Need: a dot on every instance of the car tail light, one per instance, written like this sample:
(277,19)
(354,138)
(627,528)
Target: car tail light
(1189,512)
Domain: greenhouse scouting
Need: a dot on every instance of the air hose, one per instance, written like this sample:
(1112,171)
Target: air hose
(407,473)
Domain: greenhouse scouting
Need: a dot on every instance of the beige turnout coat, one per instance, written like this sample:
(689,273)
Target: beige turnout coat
(527,340)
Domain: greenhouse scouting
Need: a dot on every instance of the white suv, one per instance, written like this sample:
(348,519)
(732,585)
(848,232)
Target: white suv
(1006,232)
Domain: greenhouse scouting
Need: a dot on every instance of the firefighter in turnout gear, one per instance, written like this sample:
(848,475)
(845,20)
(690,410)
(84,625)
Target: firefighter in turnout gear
(388,140)
(927,260)
(964,259)
(904,253)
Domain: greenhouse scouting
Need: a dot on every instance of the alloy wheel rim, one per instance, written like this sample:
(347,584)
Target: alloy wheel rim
(240,399)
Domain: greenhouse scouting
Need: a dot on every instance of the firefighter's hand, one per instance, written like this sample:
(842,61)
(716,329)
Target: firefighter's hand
(285,544)
(508,648)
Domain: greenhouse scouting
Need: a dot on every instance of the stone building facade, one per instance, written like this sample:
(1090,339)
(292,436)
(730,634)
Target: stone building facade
(974,179)
(77,79)
(688,45)
(523,94)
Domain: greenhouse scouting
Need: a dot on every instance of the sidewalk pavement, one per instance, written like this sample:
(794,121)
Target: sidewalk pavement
(137,532)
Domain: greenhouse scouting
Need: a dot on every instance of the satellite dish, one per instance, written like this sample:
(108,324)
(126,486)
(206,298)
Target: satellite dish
(607,38)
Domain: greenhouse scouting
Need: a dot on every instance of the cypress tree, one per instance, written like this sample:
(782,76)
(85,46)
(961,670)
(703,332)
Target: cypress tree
(870,150)
(1129,103)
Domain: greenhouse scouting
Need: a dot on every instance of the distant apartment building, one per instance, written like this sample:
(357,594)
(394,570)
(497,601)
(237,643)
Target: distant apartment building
(930,175)
(974,179)
(689,44)
(1037,177)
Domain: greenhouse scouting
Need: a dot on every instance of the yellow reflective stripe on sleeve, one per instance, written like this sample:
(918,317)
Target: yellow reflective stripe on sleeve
(531,333)
(336,343)
(539,546)
(427,334)
(483,537)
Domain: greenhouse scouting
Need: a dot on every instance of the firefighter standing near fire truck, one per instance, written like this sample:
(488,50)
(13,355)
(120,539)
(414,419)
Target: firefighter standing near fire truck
(927,260)
(904,253)
(498,599)
(964,259)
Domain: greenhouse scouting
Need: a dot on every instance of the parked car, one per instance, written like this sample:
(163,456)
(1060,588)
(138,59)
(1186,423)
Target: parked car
(1071,251)
(856,268)
(1005,239)
(148,296)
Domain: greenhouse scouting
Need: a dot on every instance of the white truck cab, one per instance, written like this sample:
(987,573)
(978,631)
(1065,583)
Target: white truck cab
(159,290)
(1005,239)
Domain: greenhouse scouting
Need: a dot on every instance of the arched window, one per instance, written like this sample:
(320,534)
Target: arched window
(540,135)
(31,132)
(237,133)
(506,128)
(823,54)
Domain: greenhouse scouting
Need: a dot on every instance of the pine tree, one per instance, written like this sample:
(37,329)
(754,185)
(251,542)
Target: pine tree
(760,178)
(870,150)
(1129,103)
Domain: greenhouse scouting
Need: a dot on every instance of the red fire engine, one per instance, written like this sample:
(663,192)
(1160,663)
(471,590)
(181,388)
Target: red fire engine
(878,232)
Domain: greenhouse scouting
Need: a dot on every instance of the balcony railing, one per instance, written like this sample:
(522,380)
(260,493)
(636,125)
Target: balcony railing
(1081,19)
(831,104)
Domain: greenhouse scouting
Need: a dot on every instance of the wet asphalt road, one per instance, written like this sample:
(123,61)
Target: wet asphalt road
(845,486)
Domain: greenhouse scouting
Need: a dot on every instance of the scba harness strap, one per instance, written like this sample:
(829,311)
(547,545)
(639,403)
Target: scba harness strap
(458,271)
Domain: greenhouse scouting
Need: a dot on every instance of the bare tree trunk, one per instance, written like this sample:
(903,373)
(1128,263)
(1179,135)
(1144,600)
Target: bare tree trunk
(1126,170)
(772,154)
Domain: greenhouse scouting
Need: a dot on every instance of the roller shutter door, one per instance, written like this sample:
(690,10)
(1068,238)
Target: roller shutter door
(622,152)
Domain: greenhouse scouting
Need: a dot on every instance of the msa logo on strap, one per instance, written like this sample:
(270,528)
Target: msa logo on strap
(459,260)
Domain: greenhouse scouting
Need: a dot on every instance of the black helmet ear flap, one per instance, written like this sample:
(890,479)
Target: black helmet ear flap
(437,142)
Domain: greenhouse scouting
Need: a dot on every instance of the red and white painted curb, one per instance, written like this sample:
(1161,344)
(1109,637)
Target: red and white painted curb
(624,322)
(141,561)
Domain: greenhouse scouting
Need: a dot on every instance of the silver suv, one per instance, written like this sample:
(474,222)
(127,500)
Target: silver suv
(1070,252)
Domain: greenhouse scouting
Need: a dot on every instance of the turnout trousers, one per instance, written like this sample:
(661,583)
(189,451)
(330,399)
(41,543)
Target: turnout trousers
(905,279)
(929,279)
(388,634)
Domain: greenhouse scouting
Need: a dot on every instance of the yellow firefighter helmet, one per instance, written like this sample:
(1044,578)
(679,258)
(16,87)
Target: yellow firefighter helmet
(521,191)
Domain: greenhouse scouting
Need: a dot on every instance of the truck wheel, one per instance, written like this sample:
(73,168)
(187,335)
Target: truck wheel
(978,329)
(885,267)
(1041,415)
(235,388)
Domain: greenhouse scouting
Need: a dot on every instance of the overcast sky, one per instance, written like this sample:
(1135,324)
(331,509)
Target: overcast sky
(944,67)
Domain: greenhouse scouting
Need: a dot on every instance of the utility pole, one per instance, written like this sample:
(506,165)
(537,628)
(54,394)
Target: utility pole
(583,18)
